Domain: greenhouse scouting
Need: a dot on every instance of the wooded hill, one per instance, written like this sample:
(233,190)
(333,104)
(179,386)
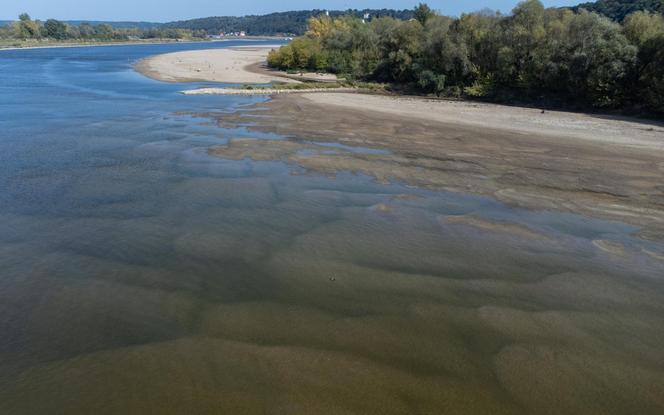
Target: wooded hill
(292,22)
(295,22)
(619,9)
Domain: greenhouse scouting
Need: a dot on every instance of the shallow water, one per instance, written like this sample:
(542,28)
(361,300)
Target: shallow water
(139,274)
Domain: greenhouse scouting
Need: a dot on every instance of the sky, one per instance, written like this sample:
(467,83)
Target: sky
(168,10)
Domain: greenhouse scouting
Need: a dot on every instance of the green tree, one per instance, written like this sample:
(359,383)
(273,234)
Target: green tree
(401,50)
(619,9)
(73,32)
(445,57)
(651,75)
(642,26)
(599,58)
(26,28)
(523,34)
(104,32)
(533,53)
(86,30)
(55,29)
(422,13)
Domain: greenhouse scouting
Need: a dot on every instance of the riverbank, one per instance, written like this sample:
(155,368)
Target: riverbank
(18,45)
(597,165)
(221,65)
(50,45)
(263,91)
(241,65)
(604,167)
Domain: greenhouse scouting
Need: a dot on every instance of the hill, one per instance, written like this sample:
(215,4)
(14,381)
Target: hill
(618,9)
(117,25)
(292,22)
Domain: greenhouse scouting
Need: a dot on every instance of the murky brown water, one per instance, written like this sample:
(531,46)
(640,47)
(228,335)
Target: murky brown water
(139,274)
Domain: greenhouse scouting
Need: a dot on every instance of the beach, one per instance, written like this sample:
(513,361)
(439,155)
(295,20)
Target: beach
(235,65)
(219,65)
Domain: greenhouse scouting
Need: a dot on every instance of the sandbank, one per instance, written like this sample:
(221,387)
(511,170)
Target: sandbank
(211,65)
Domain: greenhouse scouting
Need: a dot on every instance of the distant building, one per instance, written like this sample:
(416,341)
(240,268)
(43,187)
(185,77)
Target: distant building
(243,34)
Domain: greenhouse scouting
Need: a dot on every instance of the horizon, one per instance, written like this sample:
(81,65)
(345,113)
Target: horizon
(152,12)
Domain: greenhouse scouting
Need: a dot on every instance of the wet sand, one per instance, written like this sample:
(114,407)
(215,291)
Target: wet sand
(609,168)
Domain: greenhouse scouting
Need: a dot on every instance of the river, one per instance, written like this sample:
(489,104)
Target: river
(139,274)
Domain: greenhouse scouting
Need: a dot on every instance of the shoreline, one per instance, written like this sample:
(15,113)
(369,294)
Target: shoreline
(224,65)
(97,44)
(609,169)
(264,91)
(598,165)
(234,65)
(134,43)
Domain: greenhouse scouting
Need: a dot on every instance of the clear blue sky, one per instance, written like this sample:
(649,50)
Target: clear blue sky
(167,10)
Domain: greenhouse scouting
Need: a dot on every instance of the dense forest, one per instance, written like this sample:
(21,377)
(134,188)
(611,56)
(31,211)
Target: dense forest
(554,56)
(619,9)
(293,22)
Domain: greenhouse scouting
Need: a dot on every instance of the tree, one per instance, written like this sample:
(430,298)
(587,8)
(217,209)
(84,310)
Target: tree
(401,51)
(651,77)
(55,29)
(73,32)
(322,26)
(422,13)
(445,56)
(86,30)
(534,53)
(600,59)
(26,28)
(104,32)
(642,26)
(619,9)
(523,35)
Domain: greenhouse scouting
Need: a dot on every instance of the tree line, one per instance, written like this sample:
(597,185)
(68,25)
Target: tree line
(619,9)
(27,29)
(558,56)
(291,22)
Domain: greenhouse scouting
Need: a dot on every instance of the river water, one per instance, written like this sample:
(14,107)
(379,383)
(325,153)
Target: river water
(139,274)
